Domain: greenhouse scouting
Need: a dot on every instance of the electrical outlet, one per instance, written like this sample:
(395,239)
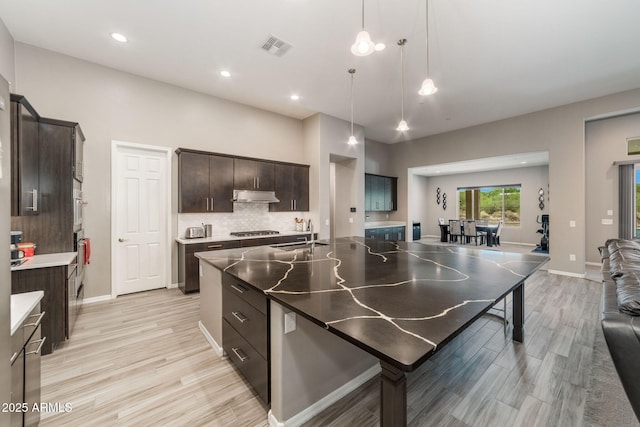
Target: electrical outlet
(326,222)
(610,212)
(572,223)
(572,257)
(200,270)
(351,220)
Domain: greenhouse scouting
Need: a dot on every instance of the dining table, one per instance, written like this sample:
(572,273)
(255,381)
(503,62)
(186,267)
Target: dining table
(490,229)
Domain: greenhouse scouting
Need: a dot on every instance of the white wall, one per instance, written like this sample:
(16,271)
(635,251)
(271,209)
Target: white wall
(606,142)
(113,105)
(325,141)
(560,131)
(531,180)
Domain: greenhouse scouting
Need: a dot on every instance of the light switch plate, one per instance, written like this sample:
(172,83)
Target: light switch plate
(289,322)
(610,212)
(572,223)
(607,221)
(200,270)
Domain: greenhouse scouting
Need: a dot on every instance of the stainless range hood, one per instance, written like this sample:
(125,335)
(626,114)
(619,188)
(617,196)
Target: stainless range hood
(252,196)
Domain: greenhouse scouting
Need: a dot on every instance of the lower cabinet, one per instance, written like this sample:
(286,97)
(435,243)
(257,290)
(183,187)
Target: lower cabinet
(188,264)
(387,233)
(53,281)
(27,345)
(245,333)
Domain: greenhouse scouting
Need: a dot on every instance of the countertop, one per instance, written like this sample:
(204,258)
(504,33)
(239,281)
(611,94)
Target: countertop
(382,224)
(227,237)
(47,260)
(399,301)
(21,306)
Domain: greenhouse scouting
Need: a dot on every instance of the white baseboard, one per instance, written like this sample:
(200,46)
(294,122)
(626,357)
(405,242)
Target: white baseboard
(92,300)
(172,286)
(568,273)
(313,410)
(214,345)
(594,264)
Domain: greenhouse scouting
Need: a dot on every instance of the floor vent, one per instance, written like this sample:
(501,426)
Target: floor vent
(275,46)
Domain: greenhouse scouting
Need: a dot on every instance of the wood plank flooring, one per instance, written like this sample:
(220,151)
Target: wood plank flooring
(141,360)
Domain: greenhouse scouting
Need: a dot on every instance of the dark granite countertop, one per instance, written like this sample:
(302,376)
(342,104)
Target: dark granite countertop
(398,301)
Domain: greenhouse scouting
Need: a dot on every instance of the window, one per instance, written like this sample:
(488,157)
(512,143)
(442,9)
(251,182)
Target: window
(491,204)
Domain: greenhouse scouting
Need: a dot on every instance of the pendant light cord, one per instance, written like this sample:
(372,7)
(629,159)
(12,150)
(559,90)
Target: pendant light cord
(401,43)
(427,33)
(352,72)
(362,9)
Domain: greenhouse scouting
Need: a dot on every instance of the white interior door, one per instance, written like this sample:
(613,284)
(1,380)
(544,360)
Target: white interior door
(141,217)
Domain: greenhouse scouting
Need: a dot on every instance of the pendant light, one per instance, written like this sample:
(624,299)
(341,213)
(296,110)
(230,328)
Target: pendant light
(402,126)
(428,87)
(363,45)
(352,139)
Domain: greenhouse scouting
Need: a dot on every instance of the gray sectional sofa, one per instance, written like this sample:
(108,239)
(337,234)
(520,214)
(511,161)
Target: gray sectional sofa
(621,312)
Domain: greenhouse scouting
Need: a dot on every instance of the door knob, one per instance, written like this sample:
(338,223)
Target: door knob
(121,240)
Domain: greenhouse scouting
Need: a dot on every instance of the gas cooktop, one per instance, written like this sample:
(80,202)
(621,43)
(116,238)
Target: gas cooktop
(254,233)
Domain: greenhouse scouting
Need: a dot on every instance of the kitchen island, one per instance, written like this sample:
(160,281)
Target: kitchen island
(396,304)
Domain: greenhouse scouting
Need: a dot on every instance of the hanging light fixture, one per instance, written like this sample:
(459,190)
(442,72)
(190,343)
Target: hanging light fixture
(402,126)
(428,87)
(363,45)
(352,139)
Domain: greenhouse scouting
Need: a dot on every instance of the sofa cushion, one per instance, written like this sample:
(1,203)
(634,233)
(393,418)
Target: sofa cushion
(624,256)
(628,292)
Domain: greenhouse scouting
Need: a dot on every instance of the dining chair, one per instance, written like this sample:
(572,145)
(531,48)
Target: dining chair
(470,232)
(496,237)
(455,230)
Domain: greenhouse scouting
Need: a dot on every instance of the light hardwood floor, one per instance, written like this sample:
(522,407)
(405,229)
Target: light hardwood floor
(141,360)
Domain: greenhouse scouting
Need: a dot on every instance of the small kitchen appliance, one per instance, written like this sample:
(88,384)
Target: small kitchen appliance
(194,233)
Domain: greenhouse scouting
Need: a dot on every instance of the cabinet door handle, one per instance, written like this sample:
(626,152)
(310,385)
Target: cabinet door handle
(207,203)
(241,317)
(37,322)
(291,204)
(295,205)
(34,201)
(238,289)
(237,351)
(258,180)
(212,204)
(214,246)
(37,350)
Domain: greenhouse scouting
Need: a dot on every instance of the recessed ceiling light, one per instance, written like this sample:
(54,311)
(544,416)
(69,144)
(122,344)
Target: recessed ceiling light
(523,162)
(119,37)
(379,46)
(225,73)
(295,97)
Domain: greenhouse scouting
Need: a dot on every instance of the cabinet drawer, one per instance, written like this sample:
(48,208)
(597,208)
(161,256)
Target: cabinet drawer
(253,367)
(295,239)
(259,241)
(246,320)
(212,246)
(254,297)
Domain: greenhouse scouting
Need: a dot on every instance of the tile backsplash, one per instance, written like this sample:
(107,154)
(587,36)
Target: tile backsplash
(245,217)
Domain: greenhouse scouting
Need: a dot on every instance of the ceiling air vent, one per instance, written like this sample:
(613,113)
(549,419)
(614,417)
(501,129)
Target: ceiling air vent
(276,46)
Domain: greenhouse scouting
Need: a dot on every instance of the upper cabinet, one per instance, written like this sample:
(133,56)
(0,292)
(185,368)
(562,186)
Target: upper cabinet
(292,188)
(380,193)
(25,160)
(253,175)
(205,182)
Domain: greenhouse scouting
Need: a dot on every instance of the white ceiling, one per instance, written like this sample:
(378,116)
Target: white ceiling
(511,161)
(491,59)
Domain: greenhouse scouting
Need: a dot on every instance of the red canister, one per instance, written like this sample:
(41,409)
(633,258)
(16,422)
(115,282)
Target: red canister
(29,248)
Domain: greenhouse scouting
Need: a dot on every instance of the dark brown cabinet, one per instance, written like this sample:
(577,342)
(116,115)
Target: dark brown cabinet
(380,193)
(387,233)
(245,333)
(188,264)
(205,182)
(25,158)
(253,175)
(291,187)
(53,281)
